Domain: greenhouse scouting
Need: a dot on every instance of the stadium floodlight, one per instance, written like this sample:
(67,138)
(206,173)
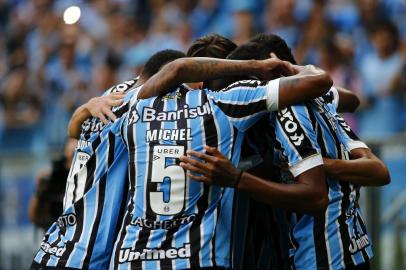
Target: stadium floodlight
(71,15)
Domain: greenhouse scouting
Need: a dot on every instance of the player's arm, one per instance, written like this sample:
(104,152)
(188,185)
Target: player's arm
(364,169)
(347,101)
(309,82)
(307,195)
(197,69)
(97,107)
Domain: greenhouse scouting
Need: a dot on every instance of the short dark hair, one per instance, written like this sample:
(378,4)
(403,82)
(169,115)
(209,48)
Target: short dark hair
(212,45)
(158,60)
(261,46)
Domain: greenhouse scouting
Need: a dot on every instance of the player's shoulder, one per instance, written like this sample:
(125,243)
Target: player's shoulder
(121,87)
(245,84)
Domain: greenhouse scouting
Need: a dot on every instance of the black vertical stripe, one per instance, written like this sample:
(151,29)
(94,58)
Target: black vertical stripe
(100,201)
(320,241)
(320,220)
(181,124)
(195,234)
(210,134)
(96,223)
(75,185)
(213,240)
(144,233)
(70,245)
(131,175)
(210,128)
(345,201)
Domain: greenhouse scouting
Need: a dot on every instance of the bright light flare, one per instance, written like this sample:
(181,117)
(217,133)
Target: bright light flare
(71,15)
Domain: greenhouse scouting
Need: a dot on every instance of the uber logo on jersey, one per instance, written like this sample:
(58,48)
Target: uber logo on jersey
(133,117)
(290,125)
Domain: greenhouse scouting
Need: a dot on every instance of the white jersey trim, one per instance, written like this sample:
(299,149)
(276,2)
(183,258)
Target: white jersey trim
(336,96)
(356,144)
(272,99)
(306,164)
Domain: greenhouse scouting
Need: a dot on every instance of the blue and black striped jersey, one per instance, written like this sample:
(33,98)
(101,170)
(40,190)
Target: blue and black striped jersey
(337,239)
(172,222)
(83,236)
(76,182)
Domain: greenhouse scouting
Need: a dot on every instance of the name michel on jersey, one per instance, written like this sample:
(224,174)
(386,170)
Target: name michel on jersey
(180,134)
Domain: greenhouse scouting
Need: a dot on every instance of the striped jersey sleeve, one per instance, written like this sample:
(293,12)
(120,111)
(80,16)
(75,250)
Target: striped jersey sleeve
(87,145)
(295,134)
(349,139)
(245,102)
(83,236)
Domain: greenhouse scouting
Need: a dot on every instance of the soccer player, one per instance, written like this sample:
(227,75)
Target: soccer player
(83,235)
(171,222)
(337,238)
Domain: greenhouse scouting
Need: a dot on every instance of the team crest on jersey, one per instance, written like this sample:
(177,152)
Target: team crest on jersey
(133,117)
(177,95)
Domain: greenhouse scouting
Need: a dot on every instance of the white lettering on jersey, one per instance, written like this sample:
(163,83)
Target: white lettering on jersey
(150,114)
(290,126)
(128,255)
(182,134)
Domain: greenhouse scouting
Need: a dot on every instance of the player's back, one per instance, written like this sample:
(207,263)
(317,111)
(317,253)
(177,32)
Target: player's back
(172,221)
(331,234)
(86,148)
(84,234)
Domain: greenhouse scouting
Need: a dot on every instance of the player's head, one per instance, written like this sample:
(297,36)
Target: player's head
(212,45)
(261,46)
(385,38)
(158,60)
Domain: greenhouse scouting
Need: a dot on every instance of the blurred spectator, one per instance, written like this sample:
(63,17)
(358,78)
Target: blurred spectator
(382,101)
(21,107)
(47,203)
(67,64)
(281,21)
(21,112)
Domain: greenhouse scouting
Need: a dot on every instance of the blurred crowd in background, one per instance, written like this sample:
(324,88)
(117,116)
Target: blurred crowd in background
(48,68)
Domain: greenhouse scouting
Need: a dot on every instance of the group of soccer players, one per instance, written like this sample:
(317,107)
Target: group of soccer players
(237,161)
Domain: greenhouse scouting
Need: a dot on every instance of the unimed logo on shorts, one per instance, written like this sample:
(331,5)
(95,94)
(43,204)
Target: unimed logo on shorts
(128,255)
(56,251)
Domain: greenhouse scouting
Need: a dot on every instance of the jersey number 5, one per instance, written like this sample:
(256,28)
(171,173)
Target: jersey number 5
(168,182)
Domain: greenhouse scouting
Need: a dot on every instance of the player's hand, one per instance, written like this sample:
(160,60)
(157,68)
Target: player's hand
(214,168)
(273,68)
(100,107)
